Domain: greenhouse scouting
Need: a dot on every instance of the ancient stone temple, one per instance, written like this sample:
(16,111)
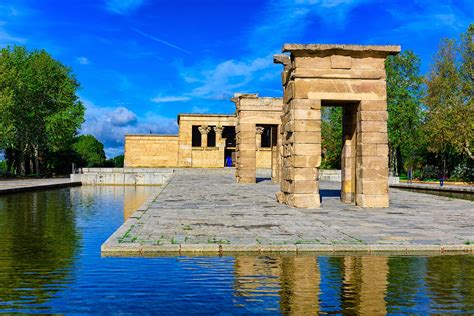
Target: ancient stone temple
(349,76)
(249,137)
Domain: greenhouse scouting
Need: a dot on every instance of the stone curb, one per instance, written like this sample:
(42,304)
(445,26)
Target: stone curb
(112,243)
(416,187)
(136,249)
(40,187)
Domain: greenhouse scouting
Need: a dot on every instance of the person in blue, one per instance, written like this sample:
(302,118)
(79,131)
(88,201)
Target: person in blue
(228,161)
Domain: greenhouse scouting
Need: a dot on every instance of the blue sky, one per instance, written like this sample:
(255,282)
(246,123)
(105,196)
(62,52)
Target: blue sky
(141,62)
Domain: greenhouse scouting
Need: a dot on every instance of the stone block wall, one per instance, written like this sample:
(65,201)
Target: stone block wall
(246,154)
(153,151)
(210,157)
(123,176)
(301,157)
(264,158)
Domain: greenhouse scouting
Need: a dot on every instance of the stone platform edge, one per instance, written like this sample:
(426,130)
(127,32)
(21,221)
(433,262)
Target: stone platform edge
(132,220)
(427,187)
(138,250)
(40,187)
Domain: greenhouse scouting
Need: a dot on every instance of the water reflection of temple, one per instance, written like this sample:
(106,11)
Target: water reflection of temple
(300,285)
(134,197)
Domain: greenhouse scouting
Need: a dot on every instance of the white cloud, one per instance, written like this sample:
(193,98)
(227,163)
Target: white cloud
(121,116)
(123,7)
(6,38)
(83,60)
(110,124)
(286,20)
(9,11)
(433,17)
(219,82)
(167,99)
(281,21)
(156,39)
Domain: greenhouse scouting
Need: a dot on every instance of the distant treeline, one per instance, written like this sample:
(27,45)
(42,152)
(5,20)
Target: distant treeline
(431,117)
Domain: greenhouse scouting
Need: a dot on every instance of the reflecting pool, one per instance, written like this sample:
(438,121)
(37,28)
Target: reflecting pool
(50,263)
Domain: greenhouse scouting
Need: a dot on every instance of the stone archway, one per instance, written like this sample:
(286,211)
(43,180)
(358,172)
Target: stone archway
(354,77)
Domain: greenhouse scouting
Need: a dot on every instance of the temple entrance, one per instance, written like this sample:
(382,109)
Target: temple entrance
(347,150)
(229,151)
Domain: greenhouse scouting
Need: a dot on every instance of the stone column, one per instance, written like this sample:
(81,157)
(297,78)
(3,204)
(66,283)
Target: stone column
(204,130)
(246,153)
(219,140)
(348,156)
(220,143)
(372,154)
(258,136)
(301,153)
(276,157)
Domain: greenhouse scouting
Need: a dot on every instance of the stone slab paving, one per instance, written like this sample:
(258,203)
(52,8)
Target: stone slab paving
(21,185)
(204,210)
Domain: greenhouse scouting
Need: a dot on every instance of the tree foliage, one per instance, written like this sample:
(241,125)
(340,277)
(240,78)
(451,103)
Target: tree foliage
(404,94)
(331,132)
(450,107)
(89,150)
(40,112)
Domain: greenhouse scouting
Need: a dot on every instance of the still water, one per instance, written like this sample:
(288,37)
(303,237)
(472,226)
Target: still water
(50,263)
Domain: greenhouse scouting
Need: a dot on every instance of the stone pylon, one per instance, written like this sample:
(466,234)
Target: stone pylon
(349,76)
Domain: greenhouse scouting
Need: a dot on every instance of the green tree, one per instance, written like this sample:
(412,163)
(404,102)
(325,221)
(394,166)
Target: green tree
(115,162)
(118,161)
(405,114)
(40,112)
(450,114)
(89,150)
(331,132)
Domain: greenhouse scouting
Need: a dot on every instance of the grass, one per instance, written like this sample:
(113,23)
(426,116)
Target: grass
(302,242)
(218,241)
(126,235)
(186,227)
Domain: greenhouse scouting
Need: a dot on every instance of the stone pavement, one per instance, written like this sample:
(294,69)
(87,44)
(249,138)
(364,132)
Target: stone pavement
(204,210)
(21,185)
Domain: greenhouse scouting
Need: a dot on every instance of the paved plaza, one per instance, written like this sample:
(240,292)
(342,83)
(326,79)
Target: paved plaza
(205,210)
(22,185)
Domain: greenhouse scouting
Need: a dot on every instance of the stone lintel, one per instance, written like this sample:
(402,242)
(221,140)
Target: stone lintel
(341,49)
(282,59)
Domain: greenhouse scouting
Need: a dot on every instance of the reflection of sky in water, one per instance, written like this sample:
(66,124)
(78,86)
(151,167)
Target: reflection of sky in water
(50,262)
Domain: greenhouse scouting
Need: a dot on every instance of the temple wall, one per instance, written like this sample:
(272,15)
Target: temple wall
(151,151)
(264,158)
(210,157)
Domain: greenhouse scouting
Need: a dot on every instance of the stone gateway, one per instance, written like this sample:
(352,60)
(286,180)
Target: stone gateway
(349,76)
